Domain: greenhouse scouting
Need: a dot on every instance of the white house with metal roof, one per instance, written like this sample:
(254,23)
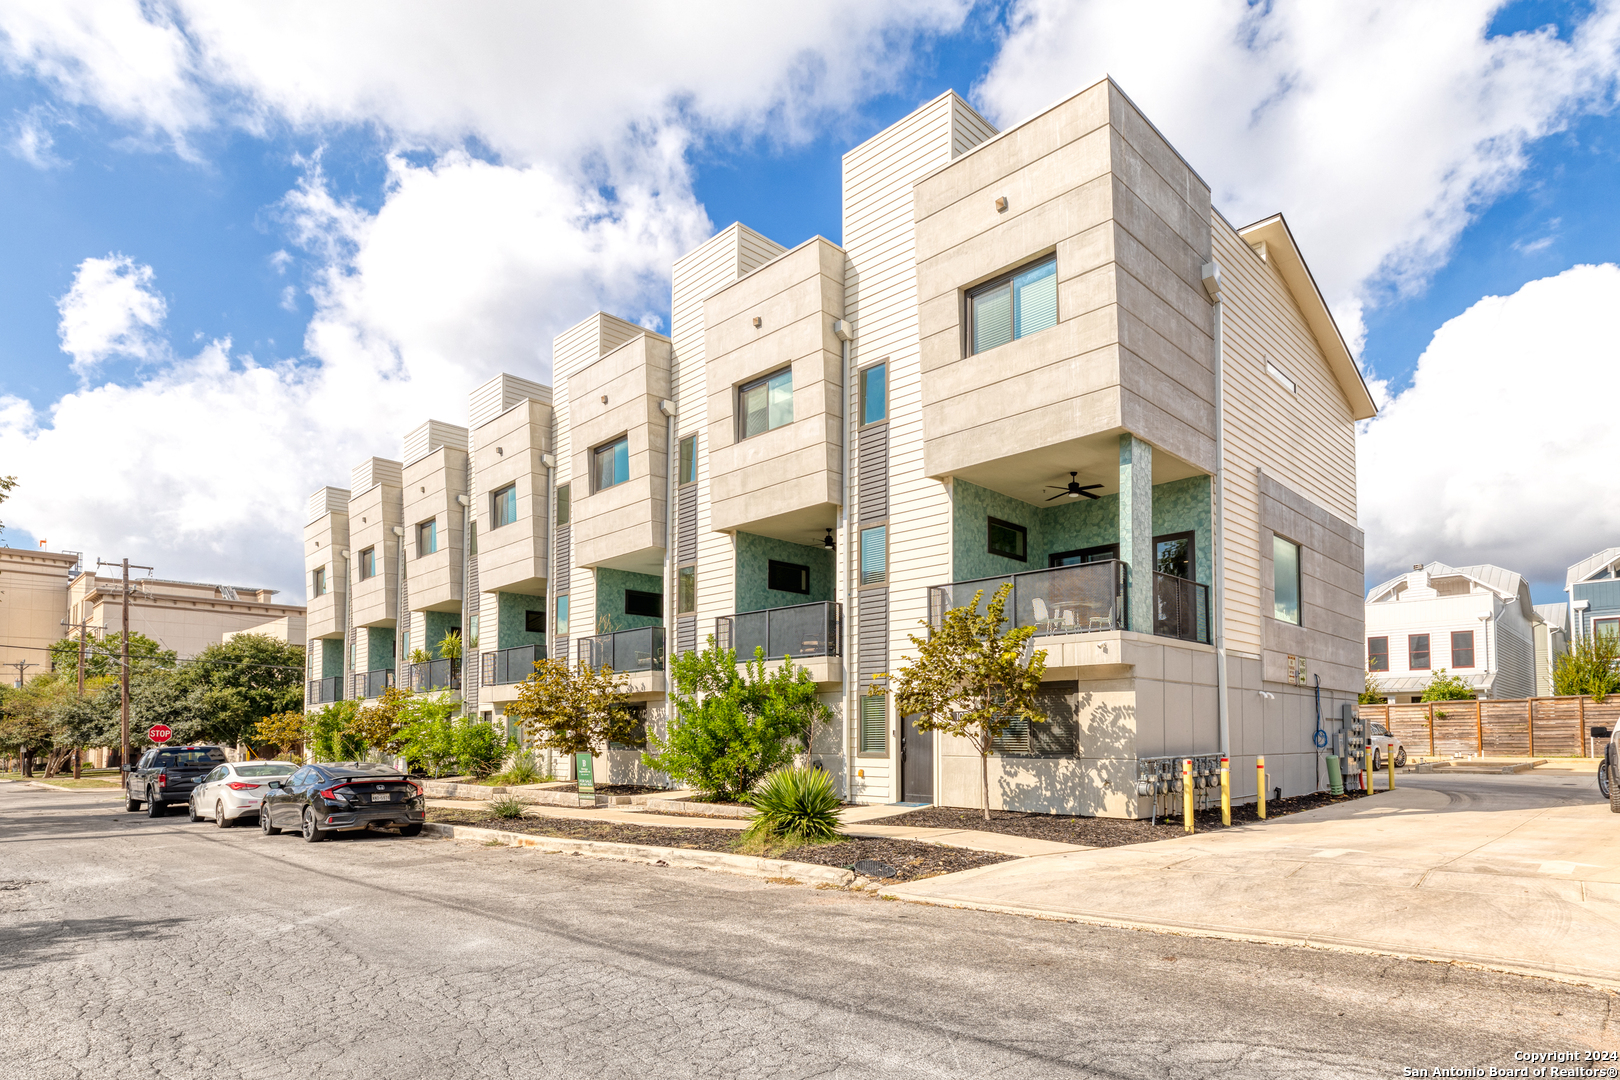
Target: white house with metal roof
(1475,621)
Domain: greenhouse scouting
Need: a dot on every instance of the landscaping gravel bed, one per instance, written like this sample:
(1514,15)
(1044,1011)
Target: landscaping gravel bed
(909,859)
(1100,832)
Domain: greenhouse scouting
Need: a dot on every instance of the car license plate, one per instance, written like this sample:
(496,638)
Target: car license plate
(382,796)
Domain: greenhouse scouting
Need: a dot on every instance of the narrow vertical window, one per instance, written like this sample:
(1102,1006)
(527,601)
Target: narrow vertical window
(611,463)
(503,506)
(562,616)
(874,554)
(1285,580)
(427,538)
(562,505)
(686,590)
(472,637)
(318,586)
(875,394)
(1417,652)
(874,734)
(688,461)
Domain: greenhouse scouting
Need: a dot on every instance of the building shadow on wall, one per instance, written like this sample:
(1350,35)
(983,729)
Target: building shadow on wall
(1103,763)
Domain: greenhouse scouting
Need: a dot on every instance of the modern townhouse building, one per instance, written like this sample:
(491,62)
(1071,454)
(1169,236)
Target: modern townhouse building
(1477,622)
(1552,641)
(1593,585)
(1037,358)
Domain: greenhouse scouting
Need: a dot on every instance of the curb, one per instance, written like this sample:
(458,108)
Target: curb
(1576,976)
(686,858)
(689,808)
(77,791)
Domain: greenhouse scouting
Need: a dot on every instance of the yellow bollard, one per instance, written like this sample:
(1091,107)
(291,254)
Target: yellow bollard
(1186,794)
(1389,759)
(1260,777)
(1226,792)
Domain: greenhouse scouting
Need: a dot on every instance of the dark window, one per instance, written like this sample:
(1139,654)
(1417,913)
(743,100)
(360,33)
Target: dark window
(1057,736)
(688,473)
(765,404)
(1378,654)
(611,463)
(788,577)
(1173,555)
(1008,540)
(320,583)
(636,738)
(368,563)
(534,622)
(1013,306)
(1083,555)
(875,394)
(427,538)
(503,506)
(1417,652)
(562,505)
(1462,648)
(686,590)
(472,537)
(650,604)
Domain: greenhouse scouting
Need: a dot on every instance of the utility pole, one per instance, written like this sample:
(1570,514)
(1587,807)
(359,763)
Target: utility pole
(26,767)
(123,750)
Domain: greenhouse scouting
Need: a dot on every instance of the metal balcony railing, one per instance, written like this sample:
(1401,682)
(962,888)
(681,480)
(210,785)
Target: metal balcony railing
(368,684)
(797,631)
(322,691)
(506,666)
(1180,608)
(434,675)
(641,649)
(1062,600)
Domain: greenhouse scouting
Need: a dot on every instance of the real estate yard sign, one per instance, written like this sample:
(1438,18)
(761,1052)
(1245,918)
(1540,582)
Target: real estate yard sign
(585,770)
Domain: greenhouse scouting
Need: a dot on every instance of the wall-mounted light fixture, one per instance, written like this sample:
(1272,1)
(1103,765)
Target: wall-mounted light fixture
(604,399)
(757,322)
(1001,204)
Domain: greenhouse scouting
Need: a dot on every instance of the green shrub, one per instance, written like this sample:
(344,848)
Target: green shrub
(332,736)
(478,747)
(507,807)
(429,744)
(522,769)
(795,805)
(1589,667)
(1444,687)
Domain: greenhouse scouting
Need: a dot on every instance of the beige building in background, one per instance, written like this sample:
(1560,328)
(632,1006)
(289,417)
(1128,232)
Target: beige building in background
(1038,357)
(33,609)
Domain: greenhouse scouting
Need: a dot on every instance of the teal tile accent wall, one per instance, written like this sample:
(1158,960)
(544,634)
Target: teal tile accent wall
(754,554)
(513,620)
(379,650)
(331,657)
(1070,525)
(610,587)
(436,624)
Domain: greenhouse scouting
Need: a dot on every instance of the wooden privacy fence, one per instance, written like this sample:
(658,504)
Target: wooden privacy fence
(1523,727)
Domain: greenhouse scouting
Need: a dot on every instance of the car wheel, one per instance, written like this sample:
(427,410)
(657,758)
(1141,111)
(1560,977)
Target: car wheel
(220,820)
(1603,779)
(1376,764)
(131,805)
(191,810)
(154,805)
(1400,757)
(411,830)
(312,832)
(1614,796)
(264,822)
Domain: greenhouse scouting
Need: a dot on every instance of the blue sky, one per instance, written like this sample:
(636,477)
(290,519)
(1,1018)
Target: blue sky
(268,208)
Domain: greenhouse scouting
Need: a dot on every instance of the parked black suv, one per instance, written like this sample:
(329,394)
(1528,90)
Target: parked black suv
(342,797)
(166,774)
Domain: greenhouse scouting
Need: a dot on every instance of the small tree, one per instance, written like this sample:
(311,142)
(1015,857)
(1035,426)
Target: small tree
(450,645)
(331,733)
(578,710)
(731,728)
(1589,667)
(382,725)
(1444,687)
(285,731)
(971,680)
(1372,693)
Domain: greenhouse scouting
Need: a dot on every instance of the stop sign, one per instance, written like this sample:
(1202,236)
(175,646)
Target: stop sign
(159,733)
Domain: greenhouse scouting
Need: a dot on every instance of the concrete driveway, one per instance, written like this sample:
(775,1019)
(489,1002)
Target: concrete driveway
(1519,873)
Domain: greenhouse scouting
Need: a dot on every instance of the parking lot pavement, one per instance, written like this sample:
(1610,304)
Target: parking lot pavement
(1520,872)
(139,947)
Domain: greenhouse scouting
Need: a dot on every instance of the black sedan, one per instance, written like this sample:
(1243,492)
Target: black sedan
(319,800)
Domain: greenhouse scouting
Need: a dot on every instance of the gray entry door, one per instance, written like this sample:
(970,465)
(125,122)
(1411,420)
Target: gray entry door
(917,762)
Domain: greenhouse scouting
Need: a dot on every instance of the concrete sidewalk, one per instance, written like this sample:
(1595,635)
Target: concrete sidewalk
(1414,872)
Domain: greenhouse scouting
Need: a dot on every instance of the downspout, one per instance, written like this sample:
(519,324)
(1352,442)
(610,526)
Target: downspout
(548,460)
(852,688)
(466,624)
(672,600)
(1212,285)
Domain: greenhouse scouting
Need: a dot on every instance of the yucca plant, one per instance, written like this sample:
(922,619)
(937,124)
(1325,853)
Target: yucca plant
(796,805)
(507,807)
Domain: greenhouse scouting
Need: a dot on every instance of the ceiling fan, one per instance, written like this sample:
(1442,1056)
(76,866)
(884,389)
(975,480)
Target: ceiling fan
(1074,490)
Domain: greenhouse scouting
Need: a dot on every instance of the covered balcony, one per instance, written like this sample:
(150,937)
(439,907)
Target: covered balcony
(434,675)
(324,691)
(504,667)
(1062,600)
(808,633)
(638,653)
(370,684)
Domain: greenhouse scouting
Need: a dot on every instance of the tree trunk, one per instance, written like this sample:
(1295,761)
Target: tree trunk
(984,784)
(77,758)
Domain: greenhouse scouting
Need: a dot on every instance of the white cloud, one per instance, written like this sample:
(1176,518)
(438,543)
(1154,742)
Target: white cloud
(32,141)
(1379,129)
(1496,452)
(111,310)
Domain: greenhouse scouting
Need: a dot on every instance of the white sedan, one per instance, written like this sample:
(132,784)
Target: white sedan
(1383,745)
(234,790)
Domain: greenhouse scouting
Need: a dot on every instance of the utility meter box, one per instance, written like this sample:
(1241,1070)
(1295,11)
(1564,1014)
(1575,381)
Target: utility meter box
(1355,737)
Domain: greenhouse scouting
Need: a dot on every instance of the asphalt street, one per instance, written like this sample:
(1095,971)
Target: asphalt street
(159,948)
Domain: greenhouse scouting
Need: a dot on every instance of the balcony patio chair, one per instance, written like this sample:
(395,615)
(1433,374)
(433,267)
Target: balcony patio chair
(1043,616)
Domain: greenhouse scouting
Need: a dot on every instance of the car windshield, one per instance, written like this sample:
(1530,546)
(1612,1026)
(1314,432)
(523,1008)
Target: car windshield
(190,758)
(268,769)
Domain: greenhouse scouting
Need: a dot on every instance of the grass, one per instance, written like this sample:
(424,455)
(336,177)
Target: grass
(99,780)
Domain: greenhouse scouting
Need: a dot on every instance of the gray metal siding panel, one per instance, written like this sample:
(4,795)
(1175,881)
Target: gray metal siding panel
(872,472)
(686,524)
(471,666)
(872,633)
(564,558)
(686,634)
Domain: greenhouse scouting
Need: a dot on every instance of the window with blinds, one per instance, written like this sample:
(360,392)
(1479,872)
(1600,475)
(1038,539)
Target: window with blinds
(765,404)
(874,554)
(874,733)
(1016,305)
(611,464)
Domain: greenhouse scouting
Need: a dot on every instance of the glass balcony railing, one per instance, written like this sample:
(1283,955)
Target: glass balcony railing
(368,684)
(504,667)
(797,631)
(636,650)
(1180,608)
(434,675)
(322,691)
(1063,600)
